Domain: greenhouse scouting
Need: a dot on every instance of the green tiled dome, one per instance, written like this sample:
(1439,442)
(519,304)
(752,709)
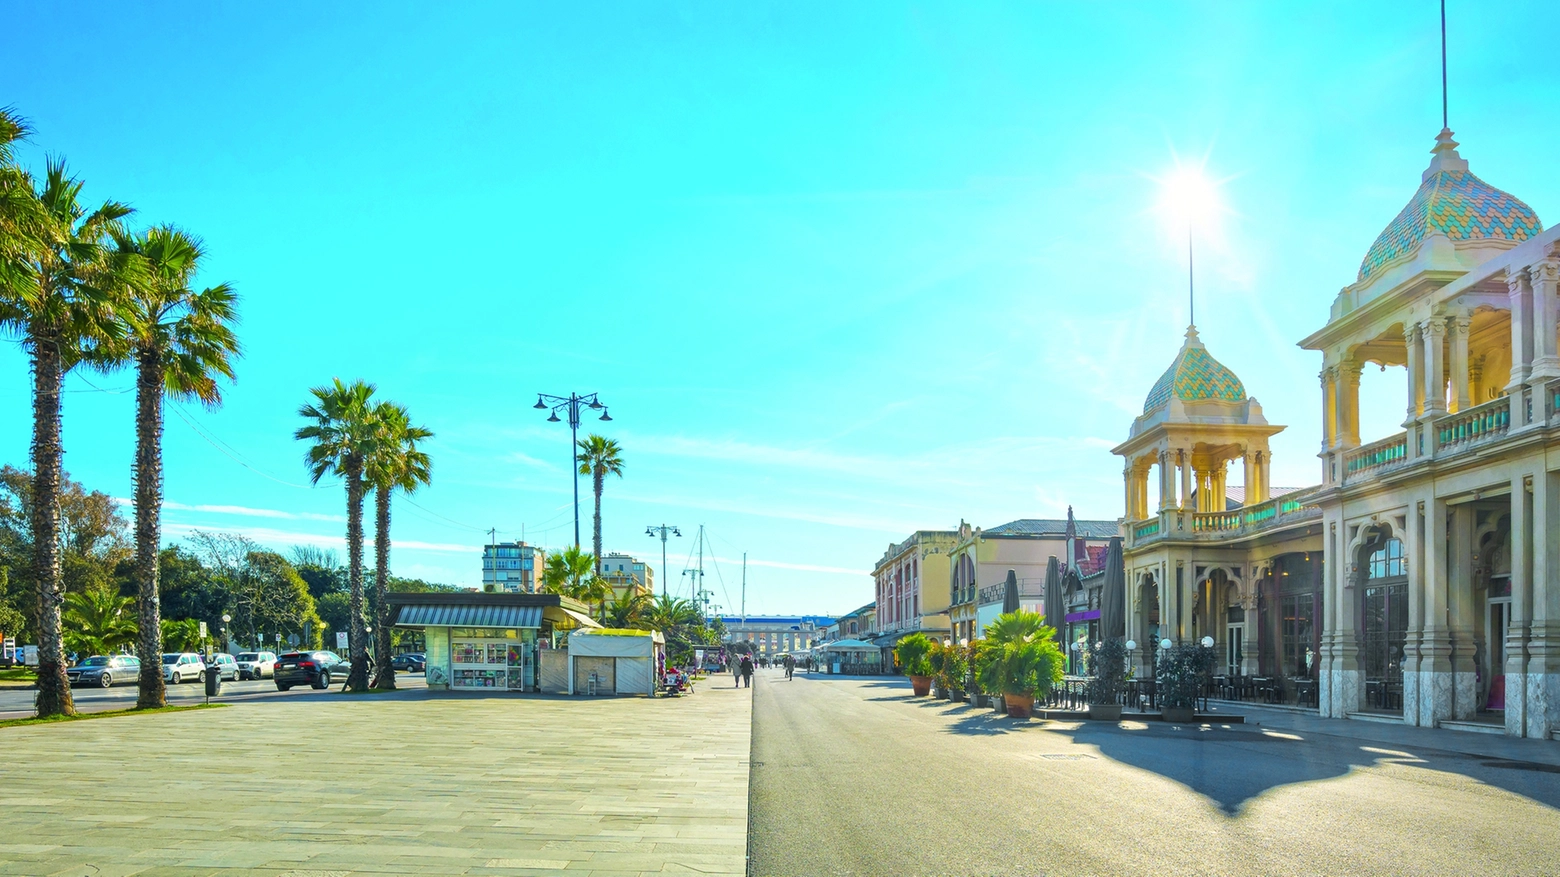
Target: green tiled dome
(1454,202)
(1195,376)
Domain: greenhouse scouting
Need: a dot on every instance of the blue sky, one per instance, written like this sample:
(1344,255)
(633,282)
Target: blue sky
(840,271)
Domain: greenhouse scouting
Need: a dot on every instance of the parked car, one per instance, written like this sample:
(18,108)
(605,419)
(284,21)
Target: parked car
(311,668)
(180,666)
(256,665)
(411,662)
(224,666)
(103,671)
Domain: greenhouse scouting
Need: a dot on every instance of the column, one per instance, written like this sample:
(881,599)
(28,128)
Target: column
(1249,474)
(1166,481)
(1434,702)
(1462,398)
(1221,489)
(1264,470)
(1521,605)
(1346,402)
(1462,618)
(1543,670)
(1517,293)
(1433,330)
(1543,278)
(1329,409)
(1185,458)
(1416,372)
(1128,501)
(1142,489)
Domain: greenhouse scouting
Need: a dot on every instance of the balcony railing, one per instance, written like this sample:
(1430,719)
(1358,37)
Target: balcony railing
(1255,517)
(1477,424)
(1146,529)
(1388,452)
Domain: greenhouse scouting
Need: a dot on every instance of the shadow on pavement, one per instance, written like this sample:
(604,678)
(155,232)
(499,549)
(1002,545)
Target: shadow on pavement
(1232,764)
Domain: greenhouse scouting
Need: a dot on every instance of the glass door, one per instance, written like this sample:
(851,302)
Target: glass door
(1497,619)
(1233,643)
(515,664)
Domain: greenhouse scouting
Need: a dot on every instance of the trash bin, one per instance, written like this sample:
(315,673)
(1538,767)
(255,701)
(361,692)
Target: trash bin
(213,682)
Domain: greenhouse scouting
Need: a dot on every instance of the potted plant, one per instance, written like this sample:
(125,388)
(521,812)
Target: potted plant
(1109,661)
(1183,671)
(956,669)
(937,660)
(1026,662)
(981,656)
(911,653)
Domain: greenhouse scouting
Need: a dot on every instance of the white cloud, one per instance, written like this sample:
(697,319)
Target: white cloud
(275,538)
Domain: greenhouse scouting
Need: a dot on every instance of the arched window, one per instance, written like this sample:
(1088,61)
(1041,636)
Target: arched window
(1386,562)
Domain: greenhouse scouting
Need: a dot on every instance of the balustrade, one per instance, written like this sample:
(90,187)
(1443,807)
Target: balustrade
(1479,423)
(1391,451)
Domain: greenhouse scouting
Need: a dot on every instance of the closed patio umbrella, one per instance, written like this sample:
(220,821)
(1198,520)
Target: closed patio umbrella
(1113,600)
(1010,594)
(1055,609)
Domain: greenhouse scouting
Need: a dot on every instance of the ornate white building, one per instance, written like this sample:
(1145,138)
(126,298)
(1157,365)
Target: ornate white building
(1421,578)
(1442,542)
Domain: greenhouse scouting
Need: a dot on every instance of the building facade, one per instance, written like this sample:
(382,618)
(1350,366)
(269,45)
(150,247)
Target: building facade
(1442,541)
(627,573)
(777,634)
(512,568)
(1240,565)
(910,583)
(980,559)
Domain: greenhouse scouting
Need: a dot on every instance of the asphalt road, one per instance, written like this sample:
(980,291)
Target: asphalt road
(854,777)
(17,703)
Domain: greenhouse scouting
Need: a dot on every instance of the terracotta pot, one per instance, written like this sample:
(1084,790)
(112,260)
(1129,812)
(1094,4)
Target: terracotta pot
(1181,714)
(920,686)
(1019,706)
(1107,712)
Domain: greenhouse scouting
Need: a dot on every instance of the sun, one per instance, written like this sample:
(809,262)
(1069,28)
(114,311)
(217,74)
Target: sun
(1188,199)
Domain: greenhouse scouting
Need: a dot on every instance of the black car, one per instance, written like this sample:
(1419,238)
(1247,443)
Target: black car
(308,668)
(411,662)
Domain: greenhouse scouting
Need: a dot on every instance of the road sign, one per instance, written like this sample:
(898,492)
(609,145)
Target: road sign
(341,639)
(278,639)
(203,630)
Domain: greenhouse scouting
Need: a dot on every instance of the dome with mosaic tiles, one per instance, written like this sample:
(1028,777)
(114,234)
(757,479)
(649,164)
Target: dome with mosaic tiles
(1454,202)
(1195,376)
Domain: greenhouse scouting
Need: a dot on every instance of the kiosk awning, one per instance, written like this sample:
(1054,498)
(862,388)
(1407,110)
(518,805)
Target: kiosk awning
(455,615)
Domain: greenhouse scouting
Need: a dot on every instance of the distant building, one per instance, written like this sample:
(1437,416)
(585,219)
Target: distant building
(911,584)
(627,573)
(774,634)
(981,559)
(512,568)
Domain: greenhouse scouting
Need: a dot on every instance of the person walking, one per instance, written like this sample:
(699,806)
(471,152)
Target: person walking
(747,671)
(790,667)
(736,673)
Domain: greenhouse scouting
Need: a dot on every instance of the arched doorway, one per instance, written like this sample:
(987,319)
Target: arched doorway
(1148,622)
(1383,573)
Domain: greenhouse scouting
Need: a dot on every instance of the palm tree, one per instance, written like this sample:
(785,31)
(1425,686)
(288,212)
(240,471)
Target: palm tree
(572,573)
(181,341)
(599,457)
(628,611)
(97,621)
(396,464)
(345,437)
(182,635)
(56,296)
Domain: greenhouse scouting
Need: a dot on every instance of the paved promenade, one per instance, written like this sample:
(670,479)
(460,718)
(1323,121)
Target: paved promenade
(412,783)
(851,776)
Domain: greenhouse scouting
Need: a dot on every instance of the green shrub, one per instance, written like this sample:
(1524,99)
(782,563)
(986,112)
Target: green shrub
(1183,671)
(983,661)
(1109,661)
(1029,667)
(911,653)
(956,668)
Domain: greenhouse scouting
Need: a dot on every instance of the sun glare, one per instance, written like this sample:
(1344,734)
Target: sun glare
(1189,198)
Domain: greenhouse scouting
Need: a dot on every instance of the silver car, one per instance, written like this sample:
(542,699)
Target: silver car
(256,665)
(104,670)
(181,666)
(224,666)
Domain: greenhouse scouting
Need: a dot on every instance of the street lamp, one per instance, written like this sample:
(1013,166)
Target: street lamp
(1165,644)
(1207,642)
(225,619)
(571,405)
(663,530)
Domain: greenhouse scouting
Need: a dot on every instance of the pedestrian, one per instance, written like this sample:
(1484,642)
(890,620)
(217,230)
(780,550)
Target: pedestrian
(736,674)
(790,666)
(747,671)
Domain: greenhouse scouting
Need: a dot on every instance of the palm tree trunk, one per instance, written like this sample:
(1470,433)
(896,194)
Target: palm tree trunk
(148,525)
(382,667)
(48,380)
(357,643)
(599,479)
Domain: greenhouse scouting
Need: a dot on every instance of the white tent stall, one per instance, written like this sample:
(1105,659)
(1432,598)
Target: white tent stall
(615,661)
